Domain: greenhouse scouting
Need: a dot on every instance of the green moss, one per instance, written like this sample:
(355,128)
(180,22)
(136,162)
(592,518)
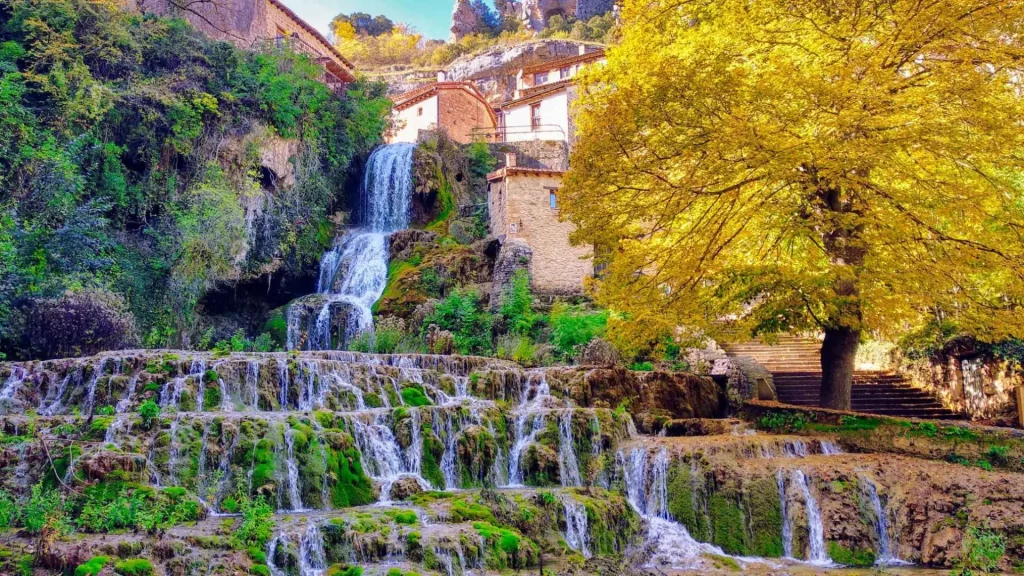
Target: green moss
(860,557)
(468,511)
(260,570)
(277,326)
(134,567)
(372,400)
(98,428)
(765,522)
(353,487)
(724,563)
(211,397)
(432,451)
(413,395)
(92,567)
(683,503)
(727,528)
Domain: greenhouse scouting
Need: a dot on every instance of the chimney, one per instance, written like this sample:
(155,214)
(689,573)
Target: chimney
(583,50)
(441,75)
(510,160)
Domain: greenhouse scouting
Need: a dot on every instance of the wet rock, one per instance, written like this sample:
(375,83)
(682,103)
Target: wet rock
(405,487)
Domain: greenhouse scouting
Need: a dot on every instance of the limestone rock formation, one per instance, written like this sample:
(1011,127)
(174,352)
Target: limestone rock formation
(465,20)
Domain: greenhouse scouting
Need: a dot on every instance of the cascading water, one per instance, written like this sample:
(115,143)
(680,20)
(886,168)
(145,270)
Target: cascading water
(884,555)
(647,492)
(312,558)
(787,523)
(569,465)
(355,271)
(294,492)
(816,553)
(576,535)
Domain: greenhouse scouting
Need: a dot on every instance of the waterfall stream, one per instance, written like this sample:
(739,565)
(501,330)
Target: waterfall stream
(816,553)
(354,272)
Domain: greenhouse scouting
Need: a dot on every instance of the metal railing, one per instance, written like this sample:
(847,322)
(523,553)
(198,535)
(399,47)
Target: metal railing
(519,133)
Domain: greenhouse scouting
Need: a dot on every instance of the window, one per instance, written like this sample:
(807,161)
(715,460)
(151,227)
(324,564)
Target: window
(540,78)
(553,198)
(565,72)
(419,111)
(535,116)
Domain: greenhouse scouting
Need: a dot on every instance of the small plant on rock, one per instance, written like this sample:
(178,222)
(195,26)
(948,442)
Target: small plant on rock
(980,553)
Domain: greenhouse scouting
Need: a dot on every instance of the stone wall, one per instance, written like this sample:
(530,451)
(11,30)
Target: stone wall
(542,154)
(979,385)
(460,114)
(520,209)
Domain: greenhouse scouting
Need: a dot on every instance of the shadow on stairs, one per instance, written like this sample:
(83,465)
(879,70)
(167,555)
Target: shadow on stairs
(795,364)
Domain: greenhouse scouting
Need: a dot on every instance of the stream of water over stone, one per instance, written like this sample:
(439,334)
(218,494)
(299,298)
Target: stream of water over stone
(328,439)
(353,274)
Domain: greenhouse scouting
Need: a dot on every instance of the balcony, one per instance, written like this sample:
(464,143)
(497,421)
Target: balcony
(520,133)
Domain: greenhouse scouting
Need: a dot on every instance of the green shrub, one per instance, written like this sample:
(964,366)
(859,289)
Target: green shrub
(413,395)
(257,525)
(45,507)
(572,327)
(148,411)
(462,314)
(517,305)
(642,366)
(134,567)
(92,567)
(8,510)
(980,552)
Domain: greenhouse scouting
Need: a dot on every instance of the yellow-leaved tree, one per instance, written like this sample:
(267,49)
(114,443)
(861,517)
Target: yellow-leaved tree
(846,166)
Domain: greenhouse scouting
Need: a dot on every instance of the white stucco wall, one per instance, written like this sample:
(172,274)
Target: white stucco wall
(554,117)
(409,122)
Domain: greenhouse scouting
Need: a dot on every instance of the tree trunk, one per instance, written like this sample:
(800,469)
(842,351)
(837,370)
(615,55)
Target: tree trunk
(838,359)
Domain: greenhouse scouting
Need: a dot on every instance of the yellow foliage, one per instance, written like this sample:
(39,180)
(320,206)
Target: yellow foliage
(804,164)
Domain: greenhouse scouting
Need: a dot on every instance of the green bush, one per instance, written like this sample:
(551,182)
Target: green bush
(8,510)
(134,567)
(517,305)
(462,315)
(642,366)
(572,327)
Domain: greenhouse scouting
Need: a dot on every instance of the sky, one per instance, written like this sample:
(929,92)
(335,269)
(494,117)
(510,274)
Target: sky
(432,18)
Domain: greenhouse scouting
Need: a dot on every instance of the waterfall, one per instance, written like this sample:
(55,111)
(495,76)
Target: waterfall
(172,458)
(576,535)
(90,394)
(830,448)
(884,556)
(569,468)
(312,558)
(125,404)
(647,493)
(523,441)
(294,497)
(123,422)
(252,381)
(448,458)
(271,556)
(816,532)
(355,271)
(787,523)
(382,456)
(282,380)
(18,375)
(596,447)
(55,404)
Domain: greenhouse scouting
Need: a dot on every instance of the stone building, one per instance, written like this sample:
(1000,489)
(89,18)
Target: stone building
(542,107)
(523,206)
(251,23)
(456,107)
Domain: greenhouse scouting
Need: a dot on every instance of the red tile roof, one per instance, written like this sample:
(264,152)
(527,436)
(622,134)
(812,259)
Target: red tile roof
(563,62)
(350,68)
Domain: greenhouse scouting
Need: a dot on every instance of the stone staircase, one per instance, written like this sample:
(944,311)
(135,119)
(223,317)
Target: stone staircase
(795,364)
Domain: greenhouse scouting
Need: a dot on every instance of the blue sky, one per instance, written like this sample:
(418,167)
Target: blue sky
(432,18)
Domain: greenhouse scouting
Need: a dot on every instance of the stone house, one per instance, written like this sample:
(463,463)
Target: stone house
(251,23)
(542,106)
(456,107)
(523,207)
